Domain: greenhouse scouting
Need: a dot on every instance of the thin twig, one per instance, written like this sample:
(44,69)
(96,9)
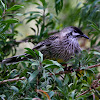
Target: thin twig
(36,99)
(64,72)
(11,80)
(29,38)
(93,66)
(83,93)
(94,85)
(3,14)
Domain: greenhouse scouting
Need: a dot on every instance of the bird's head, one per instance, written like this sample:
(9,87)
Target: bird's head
(73,32)
(76,32)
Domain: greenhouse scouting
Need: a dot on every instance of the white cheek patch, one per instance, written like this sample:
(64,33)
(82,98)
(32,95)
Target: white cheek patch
(75,34)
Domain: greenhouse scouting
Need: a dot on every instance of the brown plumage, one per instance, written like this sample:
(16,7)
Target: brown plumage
(61,45)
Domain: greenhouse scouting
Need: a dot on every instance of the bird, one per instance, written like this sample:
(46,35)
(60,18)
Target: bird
(61,45)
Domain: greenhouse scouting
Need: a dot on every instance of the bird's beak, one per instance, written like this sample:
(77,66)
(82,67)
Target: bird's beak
(85,36)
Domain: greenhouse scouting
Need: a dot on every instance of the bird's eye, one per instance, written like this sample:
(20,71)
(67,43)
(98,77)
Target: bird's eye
(75,31)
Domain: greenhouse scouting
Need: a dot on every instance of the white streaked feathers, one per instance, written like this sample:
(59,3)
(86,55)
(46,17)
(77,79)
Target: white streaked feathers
(61,45)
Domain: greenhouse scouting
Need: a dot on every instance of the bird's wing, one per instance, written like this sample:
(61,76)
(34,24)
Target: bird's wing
(46,43)
(40,46)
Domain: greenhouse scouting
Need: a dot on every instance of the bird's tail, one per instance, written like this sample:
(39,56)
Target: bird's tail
(15,59)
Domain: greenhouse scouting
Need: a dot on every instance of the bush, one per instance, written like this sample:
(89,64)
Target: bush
(44,78)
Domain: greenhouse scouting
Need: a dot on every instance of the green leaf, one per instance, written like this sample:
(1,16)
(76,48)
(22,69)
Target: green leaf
(37,52)
(35,64)
(35,3)
(94,26)
(58,5)
(19,14)
(30,18)
(73,94)
(40,7)
(31,12)
(1,11)
(50,66)
(41,56)
(2,96)
(12,20)
(33,75)
(59,82)
(33,29)
(47,61)
(53,64)
(51,94)
(30,52)
(4,6)
(96,53)
(56,63)
(0,17)
(15,7)
(2,36)
(14,88)
(66,80)
(5,28)
(44,3)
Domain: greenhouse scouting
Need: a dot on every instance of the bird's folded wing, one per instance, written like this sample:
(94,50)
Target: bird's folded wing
(46,43)
(40,46)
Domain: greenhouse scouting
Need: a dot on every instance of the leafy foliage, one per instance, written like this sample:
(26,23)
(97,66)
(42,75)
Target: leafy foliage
(44,78)
(90,11)
(7,29)
(58,5)
(45,21)
(95,35)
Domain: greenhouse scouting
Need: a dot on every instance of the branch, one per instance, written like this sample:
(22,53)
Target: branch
(36,99)
(11,80)
(83,93)
(94,85)
(3,14)
(28,38)
(93,66)
(64,72)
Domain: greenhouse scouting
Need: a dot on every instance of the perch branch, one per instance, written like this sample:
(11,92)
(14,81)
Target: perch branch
(11,80)
(93,66)
(64,72)
(36,99)
(83,93)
